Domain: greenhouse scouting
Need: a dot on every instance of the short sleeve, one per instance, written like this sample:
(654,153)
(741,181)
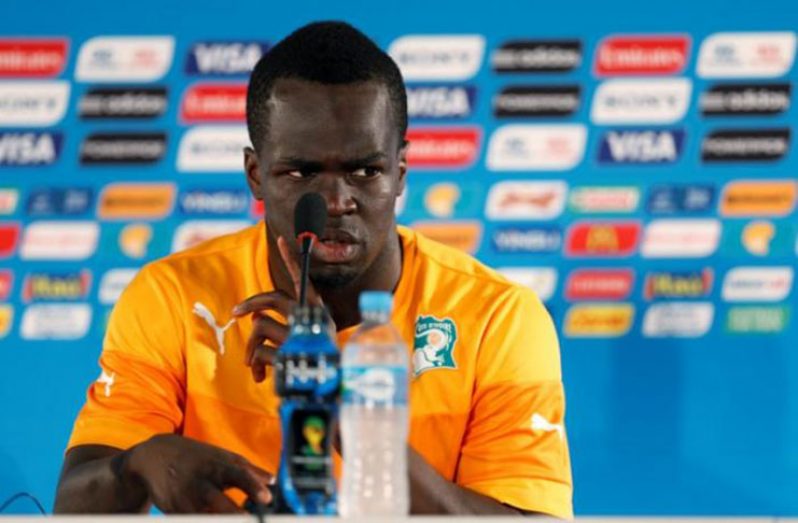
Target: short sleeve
(141,388)
(515,448)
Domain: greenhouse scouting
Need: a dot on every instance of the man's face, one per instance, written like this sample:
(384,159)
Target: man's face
(340,141)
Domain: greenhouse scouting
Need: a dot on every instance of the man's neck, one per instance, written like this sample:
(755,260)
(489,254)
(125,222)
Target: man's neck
(342,302)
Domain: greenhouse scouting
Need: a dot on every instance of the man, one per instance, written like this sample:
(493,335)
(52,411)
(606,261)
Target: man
(176,418)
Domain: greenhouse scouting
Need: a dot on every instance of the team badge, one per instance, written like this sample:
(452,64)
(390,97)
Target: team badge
(433,346)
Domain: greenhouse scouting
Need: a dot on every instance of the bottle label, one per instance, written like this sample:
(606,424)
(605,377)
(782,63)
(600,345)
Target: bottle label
(375,385)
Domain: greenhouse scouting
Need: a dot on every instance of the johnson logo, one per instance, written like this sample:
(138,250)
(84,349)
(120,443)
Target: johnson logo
(214,103)
(537,56)
(598,320)
(754,55)
(224,58)
(443,147)
(642,55)
(56,321)
(678,319)
(686,284)
(48,286)
(438,57)
(440,101)
(541,280)
(526,200)
(9,237)
(33,104)
(32,148)
(59,240)
(599,284)
(32,57)
(641,146)
(213,149)
(193,232)
(641,101)
(675,238)
(536,147)
(604,199)
(602,239)
(531,240)
(754,198)
(125,58)
(757,284)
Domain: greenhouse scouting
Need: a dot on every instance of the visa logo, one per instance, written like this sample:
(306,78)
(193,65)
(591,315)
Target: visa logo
(56,287)
(224,58)
(641,146)
(29,148)
(440,102)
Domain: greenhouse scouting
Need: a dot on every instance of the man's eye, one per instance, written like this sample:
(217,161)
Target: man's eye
(366,172)
(298,173)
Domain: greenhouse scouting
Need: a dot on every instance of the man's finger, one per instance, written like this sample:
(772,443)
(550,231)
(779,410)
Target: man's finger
(295,271)
(214,501)
(232,475)
(264,329)
(273,300)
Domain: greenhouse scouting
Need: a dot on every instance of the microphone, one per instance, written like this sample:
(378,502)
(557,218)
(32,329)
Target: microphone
(310,218)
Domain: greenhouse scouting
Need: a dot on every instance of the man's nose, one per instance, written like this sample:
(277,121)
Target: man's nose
(338,194)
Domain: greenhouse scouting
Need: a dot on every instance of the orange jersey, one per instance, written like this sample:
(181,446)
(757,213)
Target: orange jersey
(486,396)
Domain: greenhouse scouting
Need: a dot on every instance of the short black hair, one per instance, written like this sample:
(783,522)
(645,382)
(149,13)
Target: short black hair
(329,53)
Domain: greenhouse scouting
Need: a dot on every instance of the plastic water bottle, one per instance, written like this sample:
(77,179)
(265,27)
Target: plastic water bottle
(374,415)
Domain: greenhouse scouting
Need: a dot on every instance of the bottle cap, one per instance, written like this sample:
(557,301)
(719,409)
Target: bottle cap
(376,301)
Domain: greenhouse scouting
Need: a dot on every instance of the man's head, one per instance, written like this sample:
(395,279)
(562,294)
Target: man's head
(327,113)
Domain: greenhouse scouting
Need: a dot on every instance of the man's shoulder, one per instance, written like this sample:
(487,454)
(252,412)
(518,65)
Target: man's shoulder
(213,257)
(449,266)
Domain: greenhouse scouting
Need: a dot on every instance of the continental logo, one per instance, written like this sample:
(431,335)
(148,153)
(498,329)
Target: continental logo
(123,103)
(532,101)
(758,319)
(743,145)
(128,201)
(687,284)
(45,286)
(642,55)
(537,56)
(598,320)
(465,235)
(6,319)
(759,198)
(746,99)
(32,57)
(604,239)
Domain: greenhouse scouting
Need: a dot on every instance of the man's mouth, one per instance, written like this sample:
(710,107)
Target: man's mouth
(336,246)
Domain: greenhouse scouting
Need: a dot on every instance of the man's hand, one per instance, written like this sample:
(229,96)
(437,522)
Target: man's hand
(268,333)
(182,475)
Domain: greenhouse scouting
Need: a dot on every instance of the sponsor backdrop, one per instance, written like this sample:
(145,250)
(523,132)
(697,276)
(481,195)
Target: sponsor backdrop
(632,163)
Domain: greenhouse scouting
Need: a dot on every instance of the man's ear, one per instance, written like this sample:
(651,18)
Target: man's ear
(403,167)
(252,169)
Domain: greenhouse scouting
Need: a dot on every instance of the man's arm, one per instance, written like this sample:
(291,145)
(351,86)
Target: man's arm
(177,474)
(431,493)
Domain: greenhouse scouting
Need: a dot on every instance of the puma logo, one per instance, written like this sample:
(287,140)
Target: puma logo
(541,423)
(108,380)
(203,312)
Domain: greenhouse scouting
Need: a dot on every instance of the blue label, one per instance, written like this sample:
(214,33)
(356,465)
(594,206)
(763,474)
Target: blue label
(641,146)
(677,199)
(440,101)
(538,240)
(30,148)
(71,201)
(220,58)
(375,385)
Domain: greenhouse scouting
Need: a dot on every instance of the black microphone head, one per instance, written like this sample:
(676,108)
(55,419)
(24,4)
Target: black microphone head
(310,214)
